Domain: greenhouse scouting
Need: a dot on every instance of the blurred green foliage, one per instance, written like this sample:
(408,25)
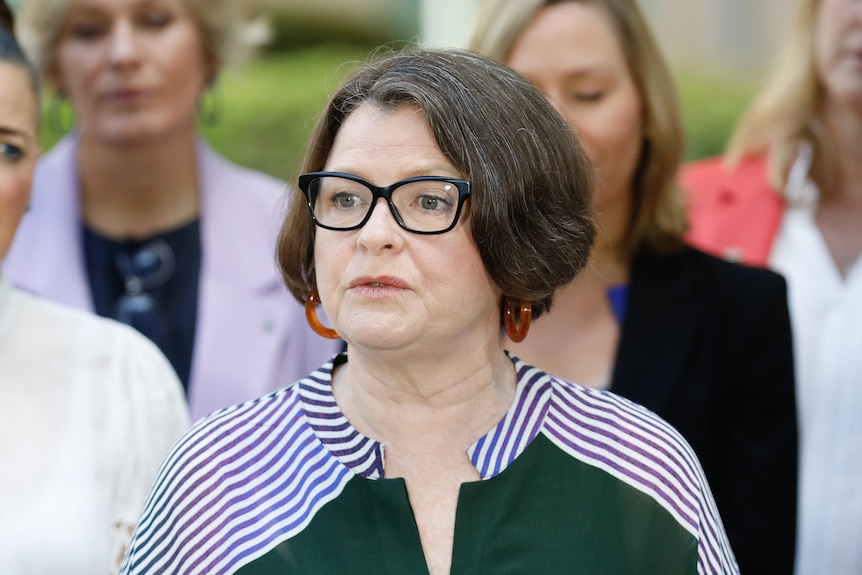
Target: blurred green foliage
(271,105)
(296,28)
(267,109)
(712,102)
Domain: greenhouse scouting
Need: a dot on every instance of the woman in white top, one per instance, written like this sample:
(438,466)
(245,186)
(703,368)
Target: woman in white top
(788,195)
(89,407)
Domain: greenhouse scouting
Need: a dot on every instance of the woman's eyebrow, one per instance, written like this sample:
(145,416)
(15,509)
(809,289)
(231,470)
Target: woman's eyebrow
(13,132)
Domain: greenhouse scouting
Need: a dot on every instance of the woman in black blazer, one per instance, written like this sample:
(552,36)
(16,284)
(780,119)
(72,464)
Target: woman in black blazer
(703,342)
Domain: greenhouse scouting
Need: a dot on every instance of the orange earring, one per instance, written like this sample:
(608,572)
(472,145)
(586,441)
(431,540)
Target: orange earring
(311,317)
(517,328)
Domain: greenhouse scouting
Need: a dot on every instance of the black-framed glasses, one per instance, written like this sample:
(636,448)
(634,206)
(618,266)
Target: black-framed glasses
(422,205)
(143,271)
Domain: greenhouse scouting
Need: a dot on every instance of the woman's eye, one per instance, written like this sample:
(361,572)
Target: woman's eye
(434,202)
(156,19)
(345,200)
(588,96)
(85,30)
(11,153)
(429,202)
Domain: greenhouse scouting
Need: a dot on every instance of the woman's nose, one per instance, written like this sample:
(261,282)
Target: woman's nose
(381,231)
(123,47)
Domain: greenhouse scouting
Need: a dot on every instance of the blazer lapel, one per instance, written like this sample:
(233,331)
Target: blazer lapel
(47,256)
(661,317)
(241,299)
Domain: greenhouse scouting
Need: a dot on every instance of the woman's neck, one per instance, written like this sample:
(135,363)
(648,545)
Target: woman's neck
(843,127)
(840,209)
(439,403)
(137,191)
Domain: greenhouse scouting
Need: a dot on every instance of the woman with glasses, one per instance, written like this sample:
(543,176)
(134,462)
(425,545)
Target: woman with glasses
(88,407)
(704,343)
(788,195)
(444,200)
(135,217)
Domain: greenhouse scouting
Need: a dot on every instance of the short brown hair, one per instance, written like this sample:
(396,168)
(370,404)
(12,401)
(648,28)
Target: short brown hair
(531,182)
(658,216)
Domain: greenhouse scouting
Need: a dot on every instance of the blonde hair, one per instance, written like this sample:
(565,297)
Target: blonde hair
(658,216)
(785,111)
(223,30)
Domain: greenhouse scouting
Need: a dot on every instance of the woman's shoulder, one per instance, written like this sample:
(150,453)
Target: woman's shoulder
(277,414)
(733,276)
(737,289)
(76,337)
(638,448)
(620,417)
(107,368)
(253,471)
(81,334)
(705,275)
(622,437)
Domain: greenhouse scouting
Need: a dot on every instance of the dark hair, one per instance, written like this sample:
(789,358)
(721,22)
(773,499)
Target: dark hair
(10,50)
(531,181)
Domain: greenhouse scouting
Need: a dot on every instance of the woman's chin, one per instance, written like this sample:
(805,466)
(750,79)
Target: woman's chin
(378,333)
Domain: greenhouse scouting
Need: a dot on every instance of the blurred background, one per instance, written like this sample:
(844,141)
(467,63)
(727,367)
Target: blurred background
(261,114)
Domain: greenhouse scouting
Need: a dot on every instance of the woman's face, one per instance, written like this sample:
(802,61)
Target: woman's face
(570,51)
(838,49)
(384,287)
(134,70)
(19,148)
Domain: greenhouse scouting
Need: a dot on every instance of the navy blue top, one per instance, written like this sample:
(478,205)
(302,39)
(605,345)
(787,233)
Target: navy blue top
(150,284)
(619,296)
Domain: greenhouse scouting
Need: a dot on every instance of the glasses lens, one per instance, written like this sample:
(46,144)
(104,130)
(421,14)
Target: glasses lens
(340,203)
(426,205)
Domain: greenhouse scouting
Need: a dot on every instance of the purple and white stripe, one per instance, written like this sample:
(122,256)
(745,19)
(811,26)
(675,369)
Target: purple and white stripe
(499,448)
(236,485)
(362,455)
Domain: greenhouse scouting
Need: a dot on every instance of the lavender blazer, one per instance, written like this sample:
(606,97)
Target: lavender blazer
(251,336)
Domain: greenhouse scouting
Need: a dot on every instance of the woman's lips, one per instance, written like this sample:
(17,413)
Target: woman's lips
(378,287)
(379,282)
(125,96)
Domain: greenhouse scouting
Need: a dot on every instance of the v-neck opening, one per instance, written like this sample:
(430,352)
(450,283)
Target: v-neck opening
(490,454)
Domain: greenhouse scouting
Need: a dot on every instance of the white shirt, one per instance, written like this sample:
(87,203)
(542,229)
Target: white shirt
(88,410)
(826,313)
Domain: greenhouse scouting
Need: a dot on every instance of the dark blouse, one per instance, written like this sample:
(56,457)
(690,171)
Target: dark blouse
(150,284)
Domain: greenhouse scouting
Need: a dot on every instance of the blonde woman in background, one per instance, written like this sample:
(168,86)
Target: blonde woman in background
(135,217)
(788,195)
(89,407)
(704,343)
